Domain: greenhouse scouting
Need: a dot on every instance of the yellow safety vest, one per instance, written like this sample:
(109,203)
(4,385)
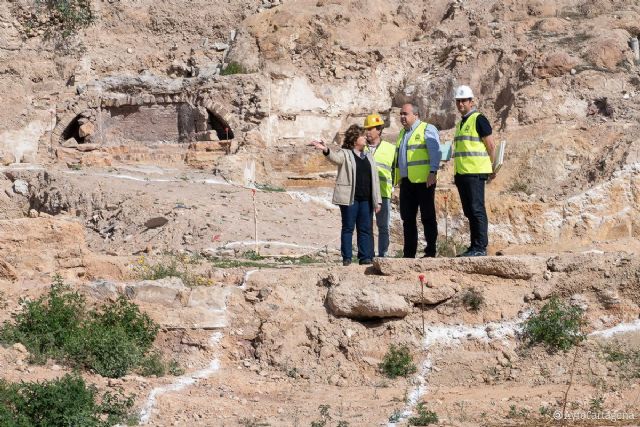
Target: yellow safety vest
(470,154)
(384,156)
(417,155)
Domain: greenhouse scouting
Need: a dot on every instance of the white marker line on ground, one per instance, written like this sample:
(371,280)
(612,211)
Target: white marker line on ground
(182,382)
(245,278)
(453,335)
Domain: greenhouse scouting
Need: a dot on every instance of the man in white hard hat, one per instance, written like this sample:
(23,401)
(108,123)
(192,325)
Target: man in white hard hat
(384,153)
(418,160)
(473,165)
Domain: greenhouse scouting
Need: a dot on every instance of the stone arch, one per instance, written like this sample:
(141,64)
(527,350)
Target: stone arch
(220,120)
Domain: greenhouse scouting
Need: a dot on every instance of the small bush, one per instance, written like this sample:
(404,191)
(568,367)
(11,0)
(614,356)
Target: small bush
(66,401)
(473,299)
(520,187)
(557,325)
(233,68)
(627,359)
(66,17)
(270,188)
(172,265)
(111,340)
(424,418)
(514,412)
(174,368)
(397,362)
(44,325)
(115,340)
(153,364)
(252,255)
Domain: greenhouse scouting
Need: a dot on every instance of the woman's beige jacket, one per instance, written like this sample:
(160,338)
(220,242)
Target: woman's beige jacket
(345,188)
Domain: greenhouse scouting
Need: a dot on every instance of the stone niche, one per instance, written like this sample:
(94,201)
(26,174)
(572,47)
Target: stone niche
(119,123)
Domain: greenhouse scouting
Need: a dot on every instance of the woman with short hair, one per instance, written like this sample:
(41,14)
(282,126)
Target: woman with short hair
(357,192)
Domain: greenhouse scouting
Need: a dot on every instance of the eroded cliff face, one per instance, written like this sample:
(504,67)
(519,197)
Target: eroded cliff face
(557,79)
(176,132)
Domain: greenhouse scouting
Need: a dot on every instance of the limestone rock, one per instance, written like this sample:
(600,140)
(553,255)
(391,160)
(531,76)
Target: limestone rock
(435,295)
(542,291)
(166,292)
(508,267)
(357,302)
(555,64)
(608,50)
(86,129)
(579,301)
(7,271)
(609,297)
(21,187)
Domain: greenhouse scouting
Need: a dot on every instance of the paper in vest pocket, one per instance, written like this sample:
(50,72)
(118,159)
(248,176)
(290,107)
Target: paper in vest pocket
(446,150)
(498,159)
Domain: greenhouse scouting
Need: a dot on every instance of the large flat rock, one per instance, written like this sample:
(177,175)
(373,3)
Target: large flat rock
(371,302)
(506,267)
(170,303)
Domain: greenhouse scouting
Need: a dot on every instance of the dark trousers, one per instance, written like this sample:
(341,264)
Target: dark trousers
(359,215)
(412,197)
(471,191)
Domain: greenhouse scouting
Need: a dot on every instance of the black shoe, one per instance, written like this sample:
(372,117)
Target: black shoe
(474,253)
(366,262)
(465,253)
(346,262)
(429,256)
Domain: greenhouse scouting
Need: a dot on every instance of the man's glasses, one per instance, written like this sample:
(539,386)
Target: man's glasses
(462,101)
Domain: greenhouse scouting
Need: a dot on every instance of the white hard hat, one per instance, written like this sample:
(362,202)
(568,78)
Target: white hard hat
(463,92)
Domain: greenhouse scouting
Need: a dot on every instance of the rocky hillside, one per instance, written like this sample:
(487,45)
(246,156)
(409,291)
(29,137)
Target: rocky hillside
(157,150)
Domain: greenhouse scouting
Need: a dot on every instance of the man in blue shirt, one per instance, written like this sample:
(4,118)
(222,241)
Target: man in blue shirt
(417,167)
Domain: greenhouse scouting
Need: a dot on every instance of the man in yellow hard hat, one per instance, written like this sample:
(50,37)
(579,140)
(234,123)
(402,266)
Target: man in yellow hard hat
(473,163)
(384,154)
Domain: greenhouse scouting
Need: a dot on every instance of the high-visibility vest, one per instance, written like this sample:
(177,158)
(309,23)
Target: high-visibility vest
(384,156)
(417,155)
(470,154)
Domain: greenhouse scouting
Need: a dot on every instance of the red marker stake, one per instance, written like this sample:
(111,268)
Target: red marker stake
(422,284)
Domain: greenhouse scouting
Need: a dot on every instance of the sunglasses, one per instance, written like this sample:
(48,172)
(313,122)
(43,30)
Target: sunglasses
(462,101)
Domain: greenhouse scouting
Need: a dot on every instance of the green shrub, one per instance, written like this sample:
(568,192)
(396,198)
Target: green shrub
(473,299)
(153,364)
(397,362)
(114,341)
(66,17)
(172,265)
(233,68)
(44,325)
(424,417)
(138,326)
(557,325)
(627,359)
(270,188)
(175,369)
(66,401)
(111,341)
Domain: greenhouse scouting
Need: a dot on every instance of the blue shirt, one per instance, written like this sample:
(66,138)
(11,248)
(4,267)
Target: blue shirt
(432,140)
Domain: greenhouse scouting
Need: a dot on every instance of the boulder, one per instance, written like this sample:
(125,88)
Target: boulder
(357,302)
(21,187)
(507,267)
(86,130)
(554,65)
(608,50)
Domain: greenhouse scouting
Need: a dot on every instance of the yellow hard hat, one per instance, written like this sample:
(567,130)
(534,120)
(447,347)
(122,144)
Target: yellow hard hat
(373,120)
